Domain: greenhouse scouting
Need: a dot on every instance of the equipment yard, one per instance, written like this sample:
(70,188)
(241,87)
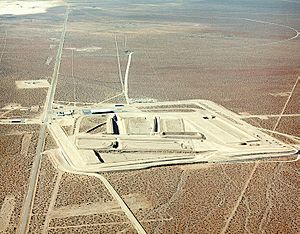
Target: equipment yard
(136,136)
(149,117)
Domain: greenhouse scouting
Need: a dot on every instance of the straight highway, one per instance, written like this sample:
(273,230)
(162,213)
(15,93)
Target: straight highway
(28,203)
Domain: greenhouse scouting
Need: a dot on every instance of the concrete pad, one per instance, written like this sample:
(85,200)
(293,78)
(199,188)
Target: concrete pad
(85,49)
(32,84)
(34,108)
(49,60)
(283,94)
(6,212)
(145,139)
(12,106)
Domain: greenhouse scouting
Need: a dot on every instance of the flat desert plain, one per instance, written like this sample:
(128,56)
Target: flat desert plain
(242,55)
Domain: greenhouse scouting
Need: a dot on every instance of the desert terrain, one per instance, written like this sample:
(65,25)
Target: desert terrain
(241,55)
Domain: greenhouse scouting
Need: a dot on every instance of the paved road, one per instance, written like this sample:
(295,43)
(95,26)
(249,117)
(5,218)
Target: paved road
(126,78)
(297,33)
(119,64)
(268,116)
(28,203)
(134,221)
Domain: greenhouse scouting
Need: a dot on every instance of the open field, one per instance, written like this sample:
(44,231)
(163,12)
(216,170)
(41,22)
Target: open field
(242,55)
(232,60)
(28,49)
(92,70)
(239,79)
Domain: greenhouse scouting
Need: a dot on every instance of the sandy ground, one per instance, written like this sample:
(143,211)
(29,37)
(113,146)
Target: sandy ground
(17,147)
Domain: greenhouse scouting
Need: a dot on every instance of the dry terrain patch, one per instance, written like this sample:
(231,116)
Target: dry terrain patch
(81,204)
(290,125)
(270,201)
(232,198)
(17,148)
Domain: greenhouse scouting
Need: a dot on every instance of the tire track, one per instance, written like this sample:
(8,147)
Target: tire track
(4,46)
(223,231)
(52,202)
(285,105)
